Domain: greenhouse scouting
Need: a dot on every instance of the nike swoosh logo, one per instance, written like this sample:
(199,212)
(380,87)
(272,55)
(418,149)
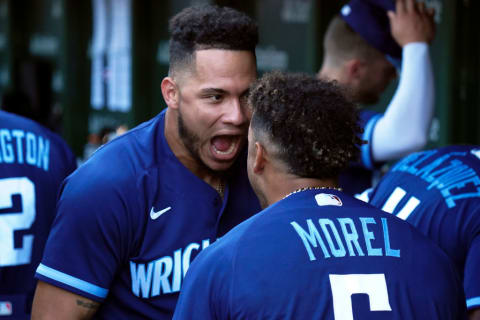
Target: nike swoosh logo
(155,214)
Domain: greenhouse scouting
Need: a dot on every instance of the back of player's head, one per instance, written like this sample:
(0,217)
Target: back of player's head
(309,124)
(361,31)
(209,27)
(342,43)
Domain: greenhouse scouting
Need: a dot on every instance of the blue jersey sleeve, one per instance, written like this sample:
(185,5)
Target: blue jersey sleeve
(471,280)
(368,121)
(358,176)
(92,232)
(205,292)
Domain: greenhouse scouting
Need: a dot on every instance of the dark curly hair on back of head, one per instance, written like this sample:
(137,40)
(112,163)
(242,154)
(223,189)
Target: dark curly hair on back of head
(209,27)
(312,127)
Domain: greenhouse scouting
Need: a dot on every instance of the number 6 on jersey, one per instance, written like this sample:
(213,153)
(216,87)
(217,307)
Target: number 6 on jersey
(344,285)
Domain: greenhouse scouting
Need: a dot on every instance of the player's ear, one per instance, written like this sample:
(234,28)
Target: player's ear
(260,158)
(170,92)
(354,69)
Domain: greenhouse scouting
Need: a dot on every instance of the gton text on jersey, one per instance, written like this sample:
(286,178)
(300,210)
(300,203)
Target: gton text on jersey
(18,146)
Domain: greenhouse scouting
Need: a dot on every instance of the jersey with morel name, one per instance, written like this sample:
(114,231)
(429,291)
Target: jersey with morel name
(321,254)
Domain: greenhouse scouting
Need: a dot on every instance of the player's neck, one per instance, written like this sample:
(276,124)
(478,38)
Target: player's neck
(280,188)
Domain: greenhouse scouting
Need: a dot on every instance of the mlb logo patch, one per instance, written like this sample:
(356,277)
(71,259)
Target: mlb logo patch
(476,153)
(346,10)
(326,199)
(6,308)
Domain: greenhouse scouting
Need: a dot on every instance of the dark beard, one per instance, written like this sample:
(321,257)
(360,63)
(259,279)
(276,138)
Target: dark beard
(189,139)
(192,143)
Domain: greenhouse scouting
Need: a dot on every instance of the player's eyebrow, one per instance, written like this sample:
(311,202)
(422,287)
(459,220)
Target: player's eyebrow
(246,92)
(207,91)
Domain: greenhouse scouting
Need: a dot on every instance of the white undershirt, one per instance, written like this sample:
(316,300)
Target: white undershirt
(405,124)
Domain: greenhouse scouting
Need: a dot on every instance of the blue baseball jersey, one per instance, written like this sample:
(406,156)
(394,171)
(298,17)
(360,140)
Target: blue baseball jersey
(321,254)
(33,163)
(438,191)
(131,219)
(359,175)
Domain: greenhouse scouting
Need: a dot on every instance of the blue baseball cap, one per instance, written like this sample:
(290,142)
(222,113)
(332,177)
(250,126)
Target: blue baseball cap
(369,19)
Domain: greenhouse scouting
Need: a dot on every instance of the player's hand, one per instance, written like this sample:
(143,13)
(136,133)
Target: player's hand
(412,22)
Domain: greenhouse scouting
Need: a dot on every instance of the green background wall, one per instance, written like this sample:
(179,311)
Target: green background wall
(56,35)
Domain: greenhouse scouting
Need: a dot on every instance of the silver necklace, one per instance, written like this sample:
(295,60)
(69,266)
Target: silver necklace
(310,188)
(220,188)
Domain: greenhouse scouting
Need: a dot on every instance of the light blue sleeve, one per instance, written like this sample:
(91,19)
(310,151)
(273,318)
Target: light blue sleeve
(90,236)
(471,281)
(366,149)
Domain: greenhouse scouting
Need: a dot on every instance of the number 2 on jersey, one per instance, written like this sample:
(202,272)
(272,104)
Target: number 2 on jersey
(13,219)
(344,285)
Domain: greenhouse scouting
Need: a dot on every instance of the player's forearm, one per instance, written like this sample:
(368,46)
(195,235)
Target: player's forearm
(405,125)
(51,302)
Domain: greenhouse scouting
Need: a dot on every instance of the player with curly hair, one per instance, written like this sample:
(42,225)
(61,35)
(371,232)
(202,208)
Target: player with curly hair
(131,219)
(315,146)
(315,252)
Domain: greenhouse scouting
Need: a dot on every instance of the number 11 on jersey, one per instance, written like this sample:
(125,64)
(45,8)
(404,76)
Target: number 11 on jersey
(397,195)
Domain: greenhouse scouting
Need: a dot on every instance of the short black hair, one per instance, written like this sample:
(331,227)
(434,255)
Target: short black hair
(209,27)
(314,129)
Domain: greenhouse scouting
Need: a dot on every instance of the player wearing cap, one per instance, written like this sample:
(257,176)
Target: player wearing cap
(33,163)
(438,191)
(133,217)
(362,46)
(315,252)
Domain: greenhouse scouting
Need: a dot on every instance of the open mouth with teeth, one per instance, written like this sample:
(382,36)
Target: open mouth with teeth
(225,147)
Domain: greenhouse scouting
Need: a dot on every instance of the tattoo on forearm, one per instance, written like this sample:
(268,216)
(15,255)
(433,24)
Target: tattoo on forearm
(87,304)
